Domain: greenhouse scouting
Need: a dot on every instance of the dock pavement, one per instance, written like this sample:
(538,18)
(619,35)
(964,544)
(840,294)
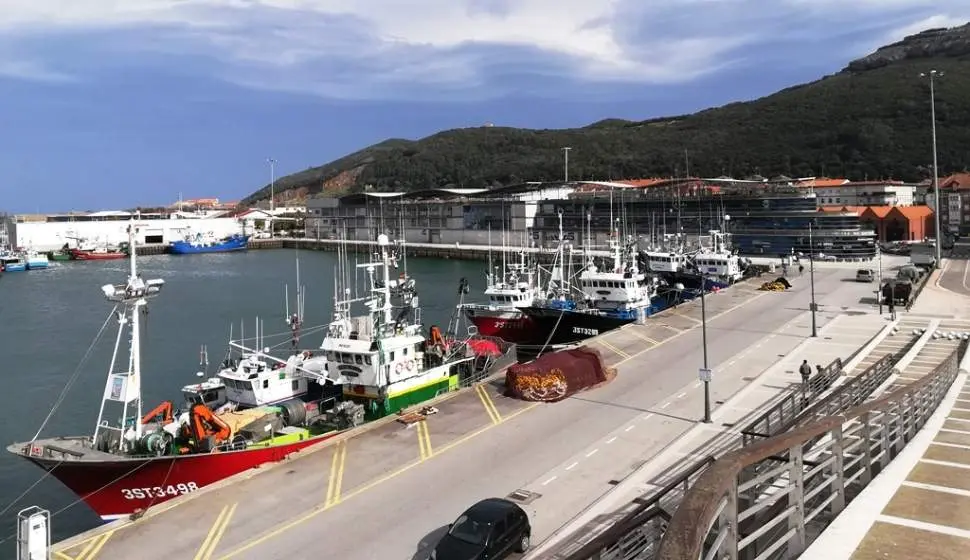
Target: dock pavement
(556,459)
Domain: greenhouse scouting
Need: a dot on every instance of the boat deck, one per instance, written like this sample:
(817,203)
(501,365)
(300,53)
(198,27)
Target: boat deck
(242,516)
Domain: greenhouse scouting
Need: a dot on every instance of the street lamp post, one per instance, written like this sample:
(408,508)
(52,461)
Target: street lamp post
(811,275)
(705,372)
(272,183)
(879,281)
(565,164)
(932,75)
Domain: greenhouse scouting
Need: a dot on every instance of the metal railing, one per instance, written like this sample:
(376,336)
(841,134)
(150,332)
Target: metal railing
(637,534)
(770,499)
(787,409)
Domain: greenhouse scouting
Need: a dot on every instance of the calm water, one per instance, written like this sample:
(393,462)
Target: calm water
(49,318)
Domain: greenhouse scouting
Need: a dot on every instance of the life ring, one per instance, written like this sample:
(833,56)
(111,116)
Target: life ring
(410,365)
(399,368)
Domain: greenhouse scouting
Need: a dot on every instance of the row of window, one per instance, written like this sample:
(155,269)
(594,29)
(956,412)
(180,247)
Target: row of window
(627,284)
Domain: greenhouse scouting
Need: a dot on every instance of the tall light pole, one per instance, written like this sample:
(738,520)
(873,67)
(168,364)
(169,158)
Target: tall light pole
(879,281)
(565,164)
(932,75)
(705,373)
(811,275)
(272,182)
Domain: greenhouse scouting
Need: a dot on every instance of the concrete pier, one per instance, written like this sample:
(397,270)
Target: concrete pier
(555,459)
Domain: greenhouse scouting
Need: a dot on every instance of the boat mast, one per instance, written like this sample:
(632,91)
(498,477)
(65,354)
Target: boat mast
(125,387)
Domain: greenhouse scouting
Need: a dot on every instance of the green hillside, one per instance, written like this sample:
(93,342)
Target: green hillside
(871,120)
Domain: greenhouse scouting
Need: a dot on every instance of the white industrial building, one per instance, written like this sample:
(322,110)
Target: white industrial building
(51,232)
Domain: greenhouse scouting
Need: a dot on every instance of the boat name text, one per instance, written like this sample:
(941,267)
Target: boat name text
(159,491)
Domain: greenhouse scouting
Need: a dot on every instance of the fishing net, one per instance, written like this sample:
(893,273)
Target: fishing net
(555,376)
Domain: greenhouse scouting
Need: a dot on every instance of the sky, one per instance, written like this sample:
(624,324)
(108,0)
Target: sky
(108,104)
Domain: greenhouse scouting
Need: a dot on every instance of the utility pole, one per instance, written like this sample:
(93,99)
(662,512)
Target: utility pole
(272,183)
(811,273)
(565,151)
(932,75)
(705,372)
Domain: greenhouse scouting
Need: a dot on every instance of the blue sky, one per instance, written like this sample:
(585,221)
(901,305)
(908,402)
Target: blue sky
(117,103)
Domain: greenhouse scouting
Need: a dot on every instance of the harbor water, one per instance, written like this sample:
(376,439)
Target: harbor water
(50,318)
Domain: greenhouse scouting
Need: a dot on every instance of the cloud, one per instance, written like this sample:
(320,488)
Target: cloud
(428,48)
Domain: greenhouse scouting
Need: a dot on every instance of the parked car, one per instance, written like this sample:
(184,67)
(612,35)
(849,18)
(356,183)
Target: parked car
(865,275)
(489,530)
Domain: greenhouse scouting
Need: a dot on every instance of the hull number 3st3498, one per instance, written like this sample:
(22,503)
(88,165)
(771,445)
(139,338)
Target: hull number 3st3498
(583,330)
(159,491)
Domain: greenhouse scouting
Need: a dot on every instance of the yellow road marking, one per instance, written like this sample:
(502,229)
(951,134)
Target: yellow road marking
(97,547)
(642,336)
(336,474)
(424,440)
(370,485)
(60,554)
(683,332)
(488,404)
(613,348)
(215,533)
(696,320)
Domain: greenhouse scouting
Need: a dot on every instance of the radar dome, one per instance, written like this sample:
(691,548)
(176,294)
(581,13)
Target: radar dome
(382,239)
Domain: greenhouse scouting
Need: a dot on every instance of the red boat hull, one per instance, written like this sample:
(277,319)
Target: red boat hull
(92,256)
(509,325)
(115,489)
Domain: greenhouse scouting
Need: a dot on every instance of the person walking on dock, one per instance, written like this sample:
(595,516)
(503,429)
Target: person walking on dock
(806,371)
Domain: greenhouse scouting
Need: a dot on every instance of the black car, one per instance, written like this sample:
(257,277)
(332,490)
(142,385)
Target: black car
(489,530)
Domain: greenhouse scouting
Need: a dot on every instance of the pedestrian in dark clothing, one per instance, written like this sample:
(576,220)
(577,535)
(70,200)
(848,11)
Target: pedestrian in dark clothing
(806,371)
(801,269)
(892,308)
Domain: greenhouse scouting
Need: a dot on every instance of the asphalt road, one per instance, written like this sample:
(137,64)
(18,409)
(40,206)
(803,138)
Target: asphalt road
(956,276)
(567,453)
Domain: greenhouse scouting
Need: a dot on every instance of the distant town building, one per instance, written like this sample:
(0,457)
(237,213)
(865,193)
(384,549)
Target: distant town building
(861,193)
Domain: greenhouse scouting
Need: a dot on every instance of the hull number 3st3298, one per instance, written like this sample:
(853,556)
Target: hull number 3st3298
(583,330)
(159,491)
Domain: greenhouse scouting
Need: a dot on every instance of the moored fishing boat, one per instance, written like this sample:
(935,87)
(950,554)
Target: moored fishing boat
(12,262)
(507,294)
(208,243)
(98,254)
(35,260)
(259,408)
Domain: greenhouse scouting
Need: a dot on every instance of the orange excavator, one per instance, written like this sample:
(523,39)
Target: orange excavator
(205,426)
(161,412)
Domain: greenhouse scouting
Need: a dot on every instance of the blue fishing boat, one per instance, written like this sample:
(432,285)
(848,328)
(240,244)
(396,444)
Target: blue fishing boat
(35,260)
(208,243)
(12,262)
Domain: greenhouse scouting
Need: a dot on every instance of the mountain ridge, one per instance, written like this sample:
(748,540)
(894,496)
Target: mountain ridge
(870,120)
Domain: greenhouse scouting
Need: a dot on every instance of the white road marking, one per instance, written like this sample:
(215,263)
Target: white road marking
(628,428)
(682,395)
(591,453)
(571,467)
(548,480)
(612,439)
(664,405)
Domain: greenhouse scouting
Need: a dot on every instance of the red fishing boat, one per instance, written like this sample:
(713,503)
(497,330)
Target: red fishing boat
(508,293)
(99,254)
(258,410)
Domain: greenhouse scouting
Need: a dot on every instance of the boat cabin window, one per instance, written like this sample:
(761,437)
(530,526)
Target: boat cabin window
(358,359)
(367,359)
(266,384)
(405,351)
(392,356)
(296,384)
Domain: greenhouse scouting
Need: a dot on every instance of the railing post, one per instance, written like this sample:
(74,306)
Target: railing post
(914,413)
(900,428)
(866,449)
(796,499)
(729,524)
(886,426)
(838,470)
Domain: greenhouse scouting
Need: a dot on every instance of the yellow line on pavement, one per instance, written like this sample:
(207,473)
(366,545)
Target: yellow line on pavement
(97,547)
(643,337)
(488,404)
(336,474)
(282,528)
(215,533)
(60,554)
(424,440)
(621,353)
